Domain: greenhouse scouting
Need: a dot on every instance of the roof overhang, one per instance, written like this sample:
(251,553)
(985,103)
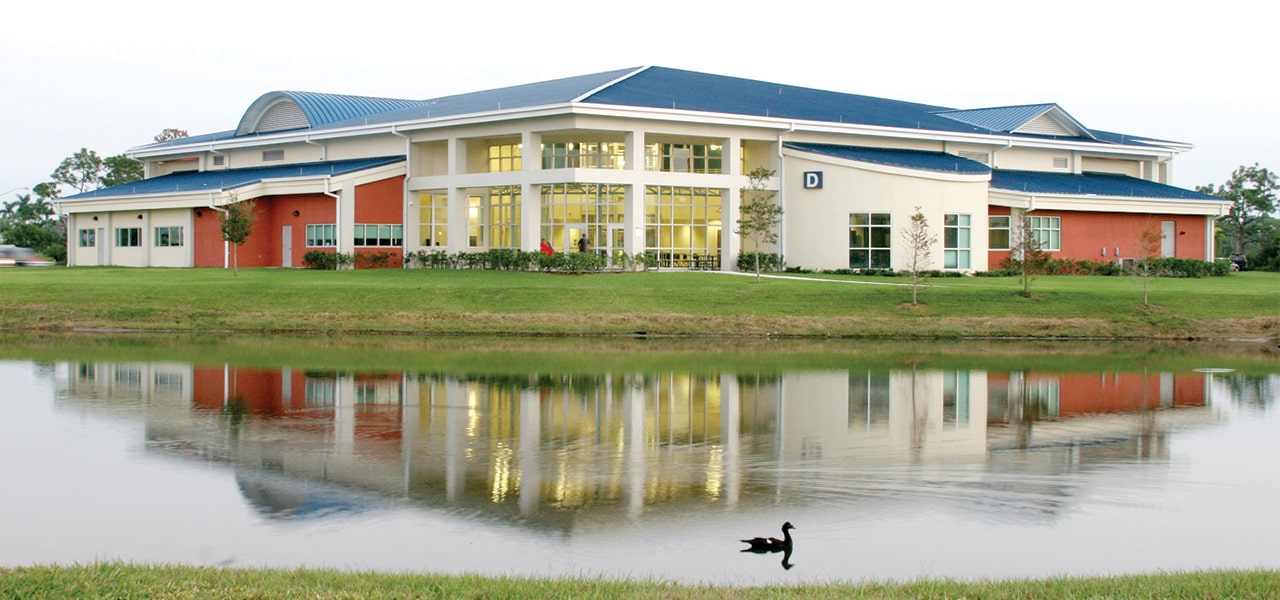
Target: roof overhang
(1031,201)
(223,195)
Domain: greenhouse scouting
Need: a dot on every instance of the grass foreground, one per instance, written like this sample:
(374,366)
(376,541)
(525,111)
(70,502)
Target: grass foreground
(113,580)
(396,301)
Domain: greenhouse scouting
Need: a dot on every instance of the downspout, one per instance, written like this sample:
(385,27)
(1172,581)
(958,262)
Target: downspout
(337,214)
(404,202)
(782,199)
(324,150)
(226,246)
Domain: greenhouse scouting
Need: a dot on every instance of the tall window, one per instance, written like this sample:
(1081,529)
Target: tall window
(433,219)
(365,234)
(584,155)
(955,231)
(587,207)
(494,222)
(869,241)
(1047,232)
(998,233)
(322,236)
(88,238)
(505,157)
(684,158)
(168,237)
(128,237)
(682,225)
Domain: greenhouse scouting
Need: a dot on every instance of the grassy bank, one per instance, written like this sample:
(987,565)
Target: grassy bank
(124,581)
(666,303)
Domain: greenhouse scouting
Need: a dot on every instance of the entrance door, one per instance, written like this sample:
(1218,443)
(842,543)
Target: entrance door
(286,246)
(102,246)
(1167,238)
(617,244)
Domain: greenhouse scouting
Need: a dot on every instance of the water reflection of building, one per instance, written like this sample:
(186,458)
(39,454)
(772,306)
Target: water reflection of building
(531,446)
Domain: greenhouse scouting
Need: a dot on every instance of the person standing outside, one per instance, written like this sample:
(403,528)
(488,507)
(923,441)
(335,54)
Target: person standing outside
(546,248)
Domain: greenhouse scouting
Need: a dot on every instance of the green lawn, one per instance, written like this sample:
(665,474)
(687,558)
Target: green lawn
(127,581)
(685,303)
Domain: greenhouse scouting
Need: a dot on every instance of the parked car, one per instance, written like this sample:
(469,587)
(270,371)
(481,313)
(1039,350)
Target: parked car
(16,256)
(1239,262)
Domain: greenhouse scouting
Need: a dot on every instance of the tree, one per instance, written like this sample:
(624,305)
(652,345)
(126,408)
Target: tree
(1252,193)
(919,250)
(758,216)
(120,170)
(1149,242)
(81,171)
(237,226)
(32,223)
(47,190)
(1025,249)
(170,134)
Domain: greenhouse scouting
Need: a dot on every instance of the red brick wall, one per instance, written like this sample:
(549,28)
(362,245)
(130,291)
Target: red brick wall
(1085,234)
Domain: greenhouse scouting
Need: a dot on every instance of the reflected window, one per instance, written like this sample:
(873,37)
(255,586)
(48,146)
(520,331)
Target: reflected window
(955,397)
(320,392)
(868,399)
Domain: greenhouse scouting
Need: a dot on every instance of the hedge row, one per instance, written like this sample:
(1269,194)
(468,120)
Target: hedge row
(498,259)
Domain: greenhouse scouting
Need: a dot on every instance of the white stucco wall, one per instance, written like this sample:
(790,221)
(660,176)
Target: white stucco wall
(817,220)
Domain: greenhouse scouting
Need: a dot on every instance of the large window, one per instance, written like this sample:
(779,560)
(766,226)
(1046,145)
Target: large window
(322,236)
(494,221)
(88,238)
(998,233)
(956,246)
(683,225)
(168,237)
(433,219)
(576,209)
(1047,232)
(869,241)
(366,234)
(684,158)
(128,237)
(505,157)
(584,155)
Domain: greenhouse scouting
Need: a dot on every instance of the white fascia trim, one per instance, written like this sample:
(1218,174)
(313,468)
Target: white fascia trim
(1113,204)
(888,169)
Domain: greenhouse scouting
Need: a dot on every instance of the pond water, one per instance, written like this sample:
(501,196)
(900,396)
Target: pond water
(525,462)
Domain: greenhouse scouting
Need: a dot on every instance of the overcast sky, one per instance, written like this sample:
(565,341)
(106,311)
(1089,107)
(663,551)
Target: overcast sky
(105,77)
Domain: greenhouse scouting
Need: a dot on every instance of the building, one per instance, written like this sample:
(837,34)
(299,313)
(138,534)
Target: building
(645,160)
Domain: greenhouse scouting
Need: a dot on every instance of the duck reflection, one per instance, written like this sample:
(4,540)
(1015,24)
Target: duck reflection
(530,448)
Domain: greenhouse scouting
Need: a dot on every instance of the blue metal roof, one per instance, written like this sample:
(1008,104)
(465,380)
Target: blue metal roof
(909,159)
(557,91)
(216,181)
(660,87)
(1090,184)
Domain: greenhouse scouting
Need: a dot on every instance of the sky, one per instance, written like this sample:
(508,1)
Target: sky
(111,76)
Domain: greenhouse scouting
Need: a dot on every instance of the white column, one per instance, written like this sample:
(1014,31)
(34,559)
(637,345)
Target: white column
(633,216)
(731,242)
(730,437)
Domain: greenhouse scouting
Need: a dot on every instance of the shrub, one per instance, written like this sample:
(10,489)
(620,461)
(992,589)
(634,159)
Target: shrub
(769,261)
(320,259)
(373,259)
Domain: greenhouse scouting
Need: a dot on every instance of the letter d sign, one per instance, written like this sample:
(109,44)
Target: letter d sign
(813,180)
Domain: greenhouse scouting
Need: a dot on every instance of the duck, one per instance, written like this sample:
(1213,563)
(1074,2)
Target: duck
(771,544)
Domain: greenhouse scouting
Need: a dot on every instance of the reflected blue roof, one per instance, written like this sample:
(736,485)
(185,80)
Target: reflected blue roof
(215,181)
(909,159)
(1091,184)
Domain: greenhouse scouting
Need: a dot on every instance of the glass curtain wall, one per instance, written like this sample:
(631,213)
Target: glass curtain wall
(683,226)
(433,220)
(573,209)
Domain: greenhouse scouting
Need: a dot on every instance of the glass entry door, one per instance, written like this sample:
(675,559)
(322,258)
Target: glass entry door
(617,244)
